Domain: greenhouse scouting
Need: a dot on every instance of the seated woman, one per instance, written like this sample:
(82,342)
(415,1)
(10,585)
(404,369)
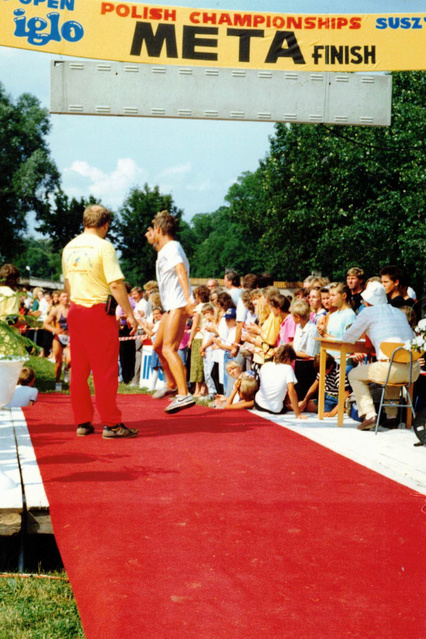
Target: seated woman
(277,382)
(342,318)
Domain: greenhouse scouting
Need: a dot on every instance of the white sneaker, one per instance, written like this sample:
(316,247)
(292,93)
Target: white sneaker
(163,392)
(179,403)
(58,387)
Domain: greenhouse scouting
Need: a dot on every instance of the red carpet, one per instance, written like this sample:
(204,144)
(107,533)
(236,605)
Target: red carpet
(219,525)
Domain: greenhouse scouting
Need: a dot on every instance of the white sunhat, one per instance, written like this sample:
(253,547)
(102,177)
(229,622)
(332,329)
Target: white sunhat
(375,294)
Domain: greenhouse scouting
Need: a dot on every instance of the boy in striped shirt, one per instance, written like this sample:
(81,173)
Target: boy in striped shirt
(331,388)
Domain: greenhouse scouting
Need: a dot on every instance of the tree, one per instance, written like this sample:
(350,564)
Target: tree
(42,258)
(28,175)
(222,244)
(136,214)
(334,197)
(63,221)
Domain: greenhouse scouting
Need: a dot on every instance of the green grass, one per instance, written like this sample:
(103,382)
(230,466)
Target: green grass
(45,379)
(44,372)
(38,608)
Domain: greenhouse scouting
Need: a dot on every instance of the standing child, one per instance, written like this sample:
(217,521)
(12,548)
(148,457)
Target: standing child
(226,345)
(305,345)
(151,331)
(206,350)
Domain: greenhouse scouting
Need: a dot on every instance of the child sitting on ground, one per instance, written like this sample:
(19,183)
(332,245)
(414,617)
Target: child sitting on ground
(332,372)
(25,394)
(242,395)
(276,393)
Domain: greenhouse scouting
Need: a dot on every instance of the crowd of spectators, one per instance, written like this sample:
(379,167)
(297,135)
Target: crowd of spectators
(248,343)
(240,328)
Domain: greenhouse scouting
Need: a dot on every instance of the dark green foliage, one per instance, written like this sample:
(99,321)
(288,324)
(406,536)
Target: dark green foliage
(139,208)
(327,198)
(27,173)
(40,255)
(63,221)
(222,244)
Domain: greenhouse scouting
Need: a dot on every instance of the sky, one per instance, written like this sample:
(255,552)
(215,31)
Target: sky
(194,160)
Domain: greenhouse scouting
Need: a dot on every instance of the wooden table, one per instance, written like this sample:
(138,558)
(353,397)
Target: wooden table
(344,348)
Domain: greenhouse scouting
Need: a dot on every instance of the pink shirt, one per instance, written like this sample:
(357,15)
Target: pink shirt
(287,331)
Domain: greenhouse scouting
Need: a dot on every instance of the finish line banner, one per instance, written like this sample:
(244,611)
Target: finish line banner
(136,32)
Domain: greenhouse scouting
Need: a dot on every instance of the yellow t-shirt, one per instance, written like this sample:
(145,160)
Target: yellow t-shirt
(90,263)
(269,335)
(9,302)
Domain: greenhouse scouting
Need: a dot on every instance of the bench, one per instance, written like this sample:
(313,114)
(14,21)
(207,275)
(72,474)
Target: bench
(23,501)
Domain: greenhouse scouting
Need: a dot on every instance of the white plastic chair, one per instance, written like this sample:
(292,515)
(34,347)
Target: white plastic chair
(397,353)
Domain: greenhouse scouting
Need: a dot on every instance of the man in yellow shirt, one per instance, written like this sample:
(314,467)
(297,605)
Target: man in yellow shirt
(92,273)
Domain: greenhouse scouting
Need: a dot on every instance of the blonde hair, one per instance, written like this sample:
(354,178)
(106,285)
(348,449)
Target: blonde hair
(341,288)
(320,281)
(248,387)
(155,299)
(300,308)
(410,314)
(95,216)
(232,365)
(207,308)
(150,285)
(270,291)
(257,292)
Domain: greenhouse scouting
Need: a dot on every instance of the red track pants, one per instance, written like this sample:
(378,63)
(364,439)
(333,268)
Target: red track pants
(94,347)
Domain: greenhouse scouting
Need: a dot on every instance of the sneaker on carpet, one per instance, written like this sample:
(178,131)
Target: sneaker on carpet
(179,403)
(164,392)
(119,431)
(85,429)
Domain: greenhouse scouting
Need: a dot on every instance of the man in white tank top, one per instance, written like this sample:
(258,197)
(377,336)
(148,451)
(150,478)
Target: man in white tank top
(172,268)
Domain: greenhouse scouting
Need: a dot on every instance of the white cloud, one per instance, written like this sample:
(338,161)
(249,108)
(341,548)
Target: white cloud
(201,186)
(110,188)
(176,171)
